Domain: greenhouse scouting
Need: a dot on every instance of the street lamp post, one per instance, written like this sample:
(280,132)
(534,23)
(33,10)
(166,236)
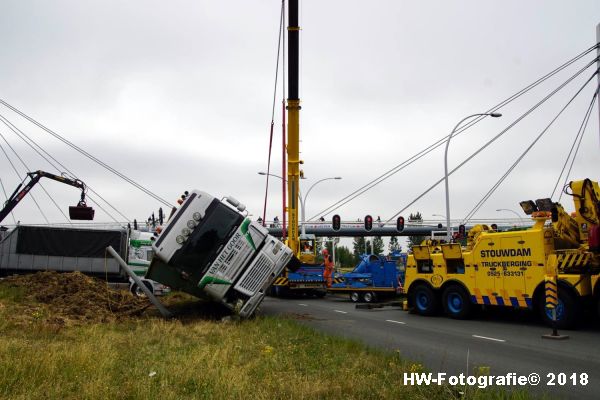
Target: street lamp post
(265,210)
(303,201)
(448,228)
(514,212)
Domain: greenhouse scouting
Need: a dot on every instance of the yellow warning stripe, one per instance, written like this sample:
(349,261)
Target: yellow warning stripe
(521,298)
(505,297)
(572,259)
(478,296)
(280,281)
(551,295)
(491,296)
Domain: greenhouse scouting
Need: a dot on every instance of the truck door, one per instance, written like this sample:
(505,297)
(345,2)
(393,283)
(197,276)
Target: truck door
(486,273)
(515,257)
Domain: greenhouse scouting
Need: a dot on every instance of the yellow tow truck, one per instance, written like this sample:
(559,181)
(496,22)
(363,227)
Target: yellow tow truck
(554,264)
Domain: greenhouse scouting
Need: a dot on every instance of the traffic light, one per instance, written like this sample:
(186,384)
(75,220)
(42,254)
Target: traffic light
(336,222)
(368,222)
(400,224)
(462,232)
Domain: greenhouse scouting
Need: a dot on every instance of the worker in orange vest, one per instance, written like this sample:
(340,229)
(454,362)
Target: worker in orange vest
(328,272)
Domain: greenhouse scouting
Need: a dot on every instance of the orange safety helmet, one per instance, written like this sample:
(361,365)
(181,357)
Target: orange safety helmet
(325,252)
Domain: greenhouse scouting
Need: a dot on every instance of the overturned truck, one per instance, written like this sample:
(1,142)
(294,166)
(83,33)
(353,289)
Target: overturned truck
(209,249)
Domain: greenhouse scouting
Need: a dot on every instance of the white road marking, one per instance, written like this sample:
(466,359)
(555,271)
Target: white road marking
(489,338)
(303,305)
(341,312)
(395,322)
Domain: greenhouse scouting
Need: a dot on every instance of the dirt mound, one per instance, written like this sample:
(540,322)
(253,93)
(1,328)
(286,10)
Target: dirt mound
(73,298)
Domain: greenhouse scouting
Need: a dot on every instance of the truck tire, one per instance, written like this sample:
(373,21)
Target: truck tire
(370,297)
(424,300)
(280,291)
(138,292)
(355,297)
(568,310)
(456,302)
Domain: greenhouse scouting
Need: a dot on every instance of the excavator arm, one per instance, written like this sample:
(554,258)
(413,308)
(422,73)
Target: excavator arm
(78,212)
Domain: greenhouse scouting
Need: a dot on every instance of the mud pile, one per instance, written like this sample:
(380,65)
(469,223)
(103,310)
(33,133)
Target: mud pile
(71,298)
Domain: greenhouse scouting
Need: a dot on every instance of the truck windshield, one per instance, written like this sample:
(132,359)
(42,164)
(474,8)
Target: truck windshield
(207,240)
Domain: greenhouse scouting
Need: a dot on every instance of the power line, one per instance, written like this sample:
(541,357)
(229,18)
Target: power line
(586,119)
(576,142)
(34,144)
(19,176)
(440,141)
(85,153)
(514,165)
(28,169)
(6,197)
(20,134)
(519,119)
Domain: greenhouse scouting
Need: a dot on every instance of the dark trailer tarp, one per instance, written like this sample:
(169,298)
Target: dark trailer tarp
(37,248)
(66,242)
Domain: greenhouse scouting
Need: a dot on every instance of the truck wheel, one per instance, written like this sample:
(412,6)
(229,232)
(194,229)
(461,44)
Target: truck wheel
(355,297)
(456,302)
(370,297)
(138,292)
(280,291)
(424,300)
(567,310)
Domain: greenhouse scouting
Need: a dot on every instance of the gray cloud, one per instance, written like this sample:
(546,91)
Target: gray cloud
(178,95)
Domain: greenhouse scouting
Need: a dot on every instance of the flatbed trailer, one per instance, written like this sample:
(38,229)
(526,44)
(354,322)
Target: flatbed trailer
(375,277)
(367,294)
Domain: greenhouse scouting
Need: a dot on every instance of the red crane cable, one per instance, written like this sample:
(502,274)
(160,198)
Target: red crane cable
(264,217)
(268,174)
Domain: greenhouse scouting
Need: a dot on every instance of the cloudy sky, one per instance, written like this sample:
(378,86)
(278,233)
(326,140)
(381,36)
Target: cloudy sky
(177,95)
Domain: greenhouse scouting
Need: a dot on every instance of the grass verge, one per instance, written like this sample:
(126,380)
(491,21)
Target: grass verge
(149,358)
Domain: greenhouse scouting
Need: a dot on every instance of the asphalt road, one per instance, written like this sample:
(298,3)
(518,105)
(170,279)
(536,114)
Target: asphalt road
(503,340)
